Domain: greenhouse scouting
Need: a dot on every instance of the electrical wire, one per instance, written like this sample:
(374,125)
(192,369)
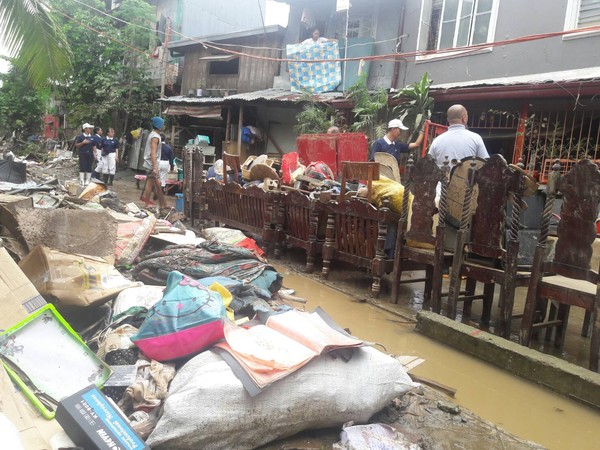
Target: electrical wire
(382,57)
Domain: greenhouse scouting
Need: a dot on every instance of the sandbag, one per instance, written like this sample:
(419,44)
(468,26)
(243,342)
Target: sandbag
(208,407)
(390,189)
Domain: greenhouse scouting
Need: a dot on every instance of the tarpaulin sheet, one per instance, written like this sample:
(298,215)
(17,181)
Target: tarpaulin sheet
(314,77)
(13,172)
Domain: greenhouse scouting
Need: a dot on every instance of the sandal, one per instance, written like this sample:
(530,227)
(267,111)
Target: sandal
(147,202)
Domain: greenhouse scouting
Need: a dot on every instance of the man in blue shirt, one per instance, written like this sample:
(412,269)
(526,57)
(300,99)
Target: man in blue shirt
(167,161)
(390,144)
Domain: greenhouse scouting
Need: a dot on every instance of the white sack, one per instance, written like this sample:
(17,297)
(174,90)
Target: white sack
(208,408)
(146,296)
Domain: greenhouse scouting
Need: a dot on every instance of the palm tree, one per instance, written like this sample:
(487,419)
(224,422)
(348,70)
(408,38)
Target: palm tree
(29,31)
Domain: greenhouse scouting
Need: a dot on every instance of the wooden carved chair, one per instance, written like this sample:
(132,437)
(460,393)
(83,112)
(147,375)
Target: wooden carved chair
(249,209)
(567,280)
(357,230)
(480,254)
(304,222)
(355,171)
(420,244)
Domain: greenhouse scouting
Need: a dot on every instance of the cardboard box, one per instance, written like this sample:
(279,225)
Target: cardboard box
(18,296)
(16,201)
(93,422)
(73,280)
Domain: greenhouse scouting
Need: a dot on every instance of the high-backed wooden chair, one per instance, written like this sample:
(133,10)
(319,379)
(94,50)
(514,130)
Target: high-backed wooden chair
(567,280)
(357,171)
(420,244)
(480,254)
(233,162)
(357,230)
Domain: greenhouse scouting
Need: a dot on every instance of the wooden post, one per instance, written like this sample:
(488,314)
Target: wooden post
(520,136)
(165,58)
(228,126)
(240,125)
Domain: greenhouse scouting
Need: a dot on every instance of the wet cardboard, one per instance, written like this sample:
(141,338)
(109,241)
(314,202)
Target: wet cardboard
(72,279)
(18,296)
(93,422)
(67,230)
(34,430)
(16,201)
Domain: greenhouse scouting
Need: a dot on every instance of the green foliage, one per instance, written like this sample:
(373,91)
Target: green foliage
(29,30)
(314,117)
(21,106)
(109,84)
(370,110)
(417,105)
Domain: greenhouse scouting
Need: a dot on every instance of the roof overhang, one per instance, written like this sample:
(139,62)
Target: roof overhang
(272,95)
(197,111)
(177,46)
(568,83)
(223,58)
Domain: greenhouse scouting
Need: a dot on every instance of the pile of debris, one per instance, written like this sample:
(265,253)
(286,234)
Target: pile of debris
(123,330)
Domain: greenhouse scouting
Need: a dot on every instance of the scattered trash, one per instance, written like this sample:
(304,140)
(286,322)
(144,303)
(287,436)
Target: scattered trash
(372,436)
(19,297)
(73,280)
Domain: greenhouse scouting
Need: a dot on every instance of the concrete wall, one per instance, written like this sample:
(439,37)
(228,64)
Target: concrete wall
(386,20)
(195,18)
(207,17)
(516,18)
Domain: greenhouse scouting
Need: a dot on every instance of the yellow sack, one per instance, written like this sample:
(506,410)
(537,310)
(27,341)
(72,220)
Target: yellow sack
(390,189)
(136,133)
(227,297)
(394,191)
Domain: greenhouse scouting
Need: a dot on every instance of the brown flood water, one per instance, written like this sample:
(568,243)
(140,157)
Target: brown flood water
(518,406)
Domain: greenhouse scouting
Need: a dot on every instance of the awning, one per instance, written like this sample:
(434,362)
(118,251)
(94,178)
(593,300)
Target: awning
(218,57)
(200,112)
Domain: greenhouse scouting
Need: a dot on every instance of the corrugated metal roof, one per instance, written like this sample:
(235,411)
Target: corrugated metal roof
(267,95)
(589,73)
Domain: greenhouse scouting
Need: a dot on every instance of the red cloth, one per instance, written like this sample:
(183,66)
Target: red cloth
(250,244)
(289,163)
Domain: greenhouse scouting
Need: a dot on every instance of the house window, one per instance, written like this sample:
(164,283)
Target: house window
(360,25)
(458,23)
(582,13)
(222,64)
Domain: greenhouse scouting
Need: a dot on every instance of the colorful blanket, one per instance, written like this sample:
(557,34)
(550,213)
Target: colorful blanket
(314,77)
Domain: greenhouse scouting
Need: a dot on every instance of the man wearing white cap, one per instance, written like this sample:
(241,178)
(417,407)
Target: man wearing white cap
(85,144)
(390,144)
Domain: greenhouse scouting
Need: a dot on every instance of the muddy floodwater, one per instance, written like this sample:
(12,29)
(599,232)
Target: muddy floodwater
(518,406)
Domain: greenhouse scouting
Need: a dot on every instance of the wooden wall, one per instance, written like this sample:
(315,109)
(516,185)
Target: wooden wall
(254,74)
